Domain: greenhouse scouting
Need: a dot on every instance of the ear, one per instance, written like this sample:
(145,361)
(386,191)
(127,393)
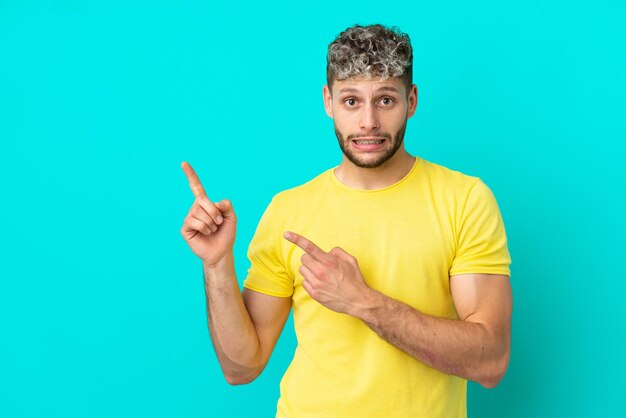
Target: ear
(328,101)
(412,101)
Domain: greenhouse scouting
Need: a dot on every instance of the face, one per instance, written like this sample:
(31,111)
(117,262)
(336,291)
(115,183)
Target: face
(370,118)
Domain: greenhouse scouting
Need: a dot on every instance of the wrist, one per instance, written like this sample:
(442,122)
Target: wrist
(365,308)
(224,263)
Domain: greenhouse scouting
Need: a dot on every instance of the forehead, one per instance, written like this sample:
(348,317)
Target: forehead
(366,86)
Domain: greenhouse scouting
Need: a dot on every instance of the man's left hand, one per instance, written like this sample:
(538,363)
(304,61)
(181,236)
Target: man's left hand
(332,278)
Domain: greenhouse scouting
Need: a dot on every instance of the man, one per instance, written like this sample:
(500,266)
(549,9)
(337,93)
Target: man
(397,268)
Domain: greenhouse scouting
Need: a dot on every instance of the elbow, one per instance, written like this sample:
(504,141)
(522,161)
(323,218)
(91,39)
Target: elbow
(240,379)
(491,382)
(242,376)
(241,372)
(237,380)
(495,374)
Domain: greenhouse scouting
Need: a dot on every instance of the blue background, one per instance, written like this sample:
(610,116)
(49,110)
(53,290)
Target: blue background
(101,302)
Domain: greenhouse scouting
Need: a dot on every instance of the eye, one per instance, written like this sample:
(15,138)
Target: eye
(350,102)
(386,101)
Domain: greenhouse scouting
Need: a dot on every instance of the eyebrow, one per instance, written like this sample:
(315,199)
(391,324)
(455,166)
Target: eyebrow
(383,88)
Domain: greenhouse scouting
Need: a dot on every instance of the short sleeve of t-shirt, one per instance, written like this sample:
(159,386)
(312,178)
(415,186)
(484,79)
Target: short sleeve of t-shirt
(267,273)
(481,237)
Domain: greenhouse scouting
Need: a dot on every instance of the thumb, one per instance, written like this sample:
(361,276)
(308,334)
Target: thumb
(226,207)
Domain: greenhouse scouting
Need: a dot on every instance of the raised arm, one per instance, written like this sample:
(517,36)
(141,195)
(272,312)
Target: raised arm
(243,329)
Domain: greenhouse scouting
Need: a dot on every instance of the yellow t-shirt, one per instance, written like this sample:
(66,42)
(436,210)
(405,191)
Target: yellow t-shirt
(408,239)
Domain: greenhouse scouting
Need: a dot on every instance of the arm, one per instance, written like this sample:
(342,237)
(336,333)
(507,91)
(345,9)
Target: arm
(475,347)
(244,328)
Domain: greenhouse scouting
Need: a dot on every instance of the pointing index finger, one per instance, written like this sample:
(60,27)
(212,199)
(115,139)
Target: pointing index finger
(307,245)
(194,180)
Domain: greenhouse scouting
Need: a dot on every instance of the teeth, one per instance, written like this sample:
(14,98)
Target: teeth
(368,142)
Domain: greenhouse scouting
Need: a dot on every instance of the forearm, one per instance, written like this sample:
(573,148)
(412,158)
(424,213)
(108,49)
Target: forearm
(465,349)
(232,332)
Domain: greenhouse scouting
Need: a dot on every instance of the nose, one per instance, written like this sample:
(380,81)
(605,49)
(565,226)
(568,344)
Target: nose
(369,118)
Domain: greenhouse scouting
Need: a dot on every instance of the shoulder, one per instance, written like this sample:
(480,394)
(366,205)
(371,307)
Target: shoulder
(446,179)
(303,192)
(459,190)
(285,203)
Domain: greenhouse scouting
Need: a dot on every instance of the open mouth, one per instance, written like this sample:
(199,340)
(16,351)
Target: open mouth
(369,144)
(368,141)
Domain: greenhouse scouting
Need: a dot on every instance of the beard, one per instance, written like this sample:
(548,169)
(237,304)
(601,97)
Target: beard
(396,142)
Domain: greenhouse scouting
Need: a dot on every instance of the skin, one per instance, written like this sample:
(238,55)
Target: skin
(371,108)
(244,326)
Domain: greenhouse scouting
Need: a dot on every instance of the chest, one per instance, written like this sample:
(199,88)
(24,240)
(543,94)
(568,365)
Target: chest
(404,247)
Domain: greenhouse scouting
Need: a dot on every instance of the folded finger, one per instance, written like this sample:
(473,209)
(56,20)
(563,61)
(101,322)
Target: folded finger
(198,225)
(210,209)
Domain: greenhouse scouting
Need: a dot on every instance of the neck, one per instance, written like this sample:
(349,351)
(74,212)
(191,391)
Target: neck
(389,173)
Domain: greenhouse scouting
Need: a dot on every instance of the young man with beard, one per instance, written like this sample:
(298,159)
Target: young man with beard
(397,268)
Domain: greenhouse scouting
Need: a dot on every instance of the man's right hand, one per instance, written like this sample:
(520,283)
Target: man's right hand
(209,228)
